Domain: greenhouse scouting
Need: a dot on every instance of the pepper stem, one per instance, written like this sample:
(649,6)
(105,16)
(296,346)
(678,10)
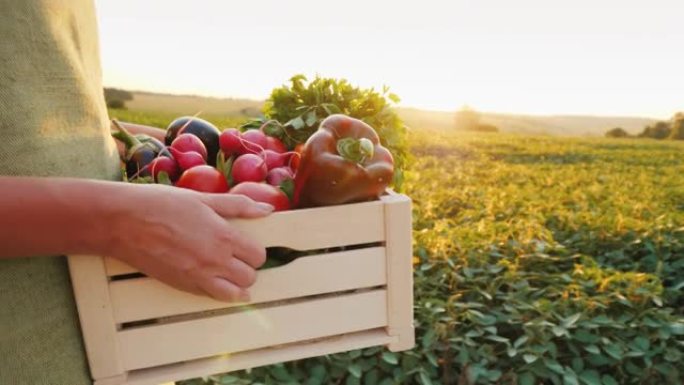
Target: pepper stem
(355,150)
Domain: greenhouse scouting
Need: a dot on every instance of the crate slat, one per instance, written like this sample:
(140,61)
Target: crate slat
(398,232)
(307,229)
(95,314)
(146,298)
(252,329)
(318,304)
(259,357)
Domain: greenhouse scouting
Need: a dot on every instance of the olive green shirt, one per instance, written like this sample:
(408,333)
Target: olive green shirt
(53,122)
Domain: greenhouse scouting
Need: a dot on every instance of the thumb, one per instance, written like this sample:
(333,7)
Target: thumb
(236,206)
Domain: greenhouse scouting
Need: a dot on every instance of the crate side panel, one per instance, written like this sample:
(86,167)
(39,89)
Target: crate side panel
(91,292)
(252,329)
(146,298)
(318,228)
(307,229)
(260,357)
(398,233)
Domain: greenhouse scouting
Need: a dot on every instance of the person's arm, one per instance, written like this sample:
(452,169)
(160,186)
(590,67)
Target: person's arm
(178,236)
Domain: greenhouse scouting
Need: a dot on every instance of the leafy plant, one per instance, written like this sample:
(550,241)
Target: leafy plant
(293,112)
(537,260)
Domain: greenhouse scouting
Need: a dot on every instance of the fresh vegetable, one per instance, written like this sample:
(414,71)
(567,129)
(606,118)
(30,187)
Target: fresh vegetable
(230,142)
(233,142)
(155,143)
(274,159)
(166,165)
(188,143)
(139,154)
(187,160)
(342,162)
(205,131)
(203,178)
(294,162)
(274,144)
(257,141)
(277,176)
(249,168)
(262,192)
(302,104)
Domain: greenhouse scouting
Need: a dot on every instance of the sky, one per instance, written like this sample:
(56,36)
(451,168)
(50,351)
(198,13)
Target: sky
(596,57)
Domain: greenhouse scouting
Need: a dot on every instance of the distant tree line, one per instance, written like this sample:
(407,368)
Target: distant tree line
(117,98)
(467,119)
(672,129)
(617,132)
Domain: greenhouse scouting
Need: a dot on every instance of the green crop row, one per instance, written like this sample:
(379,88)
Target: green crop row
(538,260)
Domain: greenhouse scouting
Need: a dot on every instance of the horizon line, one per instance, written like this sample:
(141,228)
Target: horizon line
(424,109)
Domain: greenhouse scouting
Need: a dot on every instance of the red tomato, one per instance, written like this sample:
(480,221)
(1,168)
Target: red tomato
(262,192)
(204,179)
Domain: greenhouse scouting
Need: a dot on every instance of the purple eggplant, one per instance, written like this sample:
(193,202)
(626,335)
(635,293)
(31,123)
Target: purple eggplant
(205,131)
(141,150)
(155,143)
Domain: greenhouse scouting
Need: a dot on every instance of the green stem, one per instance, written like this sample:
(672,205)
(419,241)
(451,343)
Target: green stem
(124,136)
(278,132)
(355,150)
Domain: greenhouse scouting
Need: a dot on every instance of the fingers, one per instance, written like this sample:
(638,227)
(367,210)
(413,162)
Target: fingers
(236,206)
(223,290)
(239,273)
(231,206)
(246,249)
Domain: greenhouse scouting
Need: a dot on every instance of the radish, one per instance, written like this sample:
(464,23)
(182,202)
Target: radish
(164,164)
(274,144)
(189,142)
(187,160)
(265,193)
(256,141)
(205,131)
(278,175)
(274,159)
(249,168)
(230,142)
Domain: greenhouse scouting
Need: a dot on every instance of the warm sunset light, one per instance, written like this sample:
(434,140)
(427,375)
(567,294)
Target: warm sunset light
(612,57)
(453,192)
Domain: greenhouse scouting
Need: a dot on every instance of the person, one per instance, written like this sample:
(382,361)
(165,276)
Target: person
(59,196)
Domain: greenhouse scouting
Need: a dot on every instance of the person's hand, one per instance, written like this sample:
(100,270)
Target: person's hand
(182,238)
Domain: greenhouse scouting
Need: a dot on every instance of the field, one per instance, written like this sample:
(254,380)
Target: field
(559,125)
(525,233)
(538,260)
(161,108)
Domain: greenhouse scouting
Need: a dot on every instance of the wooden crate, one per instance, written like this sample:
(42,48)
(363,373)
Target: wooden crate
(139,331)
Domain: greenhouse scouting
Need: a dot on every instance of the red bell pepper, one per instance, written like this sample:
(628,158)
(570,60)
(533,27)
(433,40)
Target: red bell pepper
(342,162)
